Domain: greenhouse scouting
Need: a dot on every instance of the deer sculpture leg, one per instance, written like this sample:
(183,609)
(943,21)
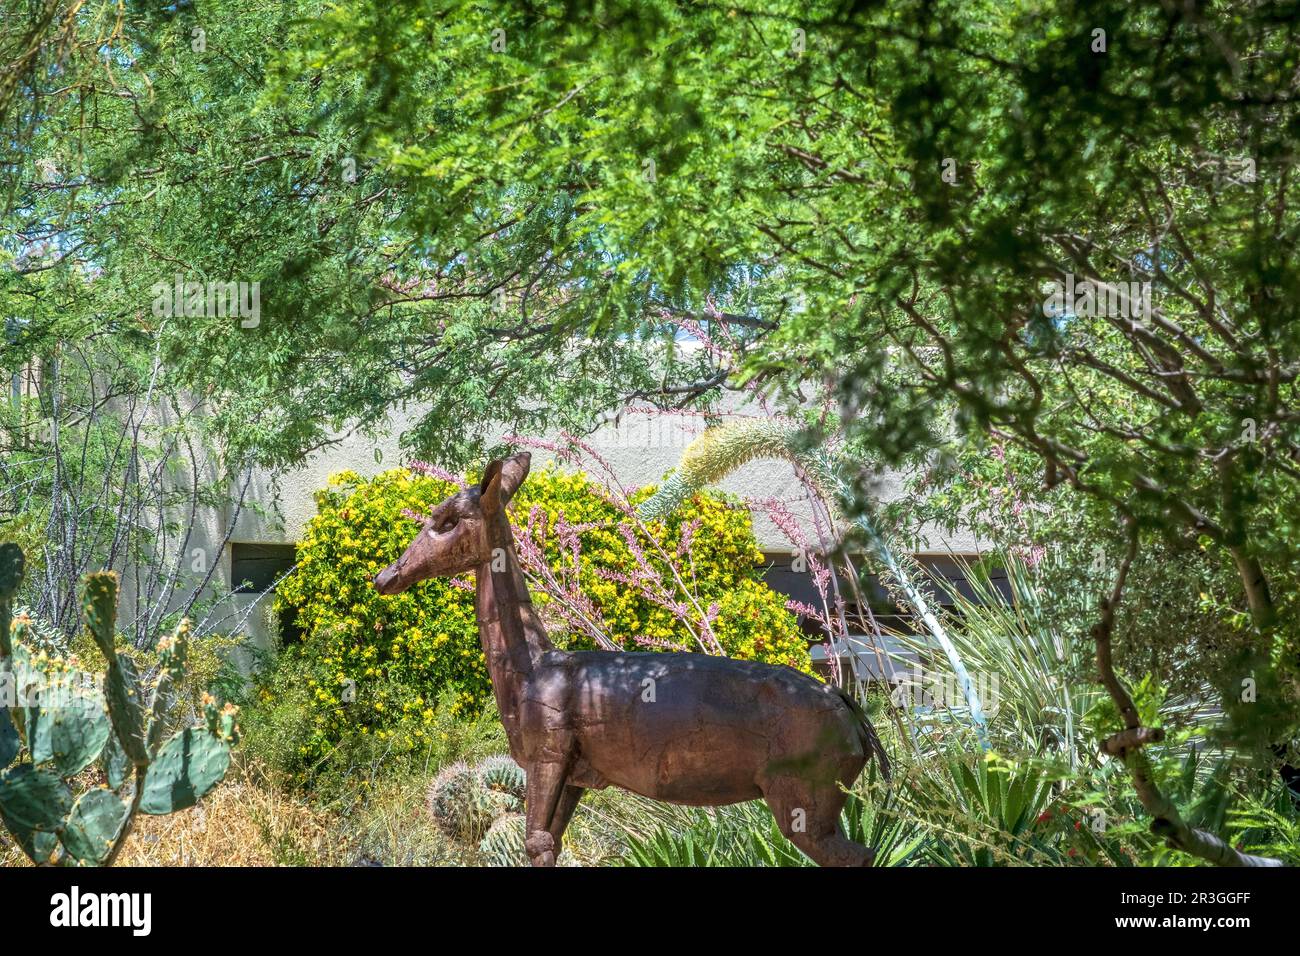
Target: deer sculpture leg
(564,809)
(543,796)
(809,815)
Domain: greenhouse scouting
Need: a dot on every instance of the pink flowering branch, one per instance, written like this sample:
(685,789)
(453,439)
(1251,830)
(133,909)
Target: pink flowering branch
(574,607)
(577,451)
(433,471)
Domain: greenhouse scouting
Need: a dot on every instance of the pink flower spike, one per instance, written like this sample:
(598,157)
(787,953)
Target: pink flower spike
(433,471)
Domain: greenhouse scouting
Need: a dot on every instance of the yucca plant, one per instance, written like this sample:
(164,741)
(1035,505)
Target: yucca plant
(1033,675)
(1047,722)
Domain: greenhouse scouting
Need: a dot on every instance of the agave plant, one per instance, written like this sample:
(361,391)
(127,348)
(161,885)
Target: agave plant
(746,835)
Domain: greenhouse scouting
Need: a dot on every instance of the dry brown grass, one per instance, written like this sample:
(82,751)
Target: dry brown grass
(250,820)
(245,821)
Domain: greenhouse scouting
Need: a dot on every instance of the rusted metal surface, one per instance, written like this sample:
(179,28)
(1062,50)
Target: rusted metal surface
(685,728)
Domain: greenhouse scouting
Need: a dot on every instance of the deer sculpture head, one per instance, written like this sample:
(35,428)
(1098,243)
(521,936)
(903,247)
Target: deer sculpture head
(462,532)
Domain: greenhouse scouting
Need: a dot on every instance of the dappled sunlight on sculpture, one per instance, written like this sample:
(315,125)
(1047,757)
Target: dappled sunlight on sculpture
(686,728)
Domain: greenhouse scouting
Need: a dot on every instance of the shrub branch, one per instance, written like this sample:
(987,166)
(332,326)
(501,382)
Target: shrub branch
(1167,822)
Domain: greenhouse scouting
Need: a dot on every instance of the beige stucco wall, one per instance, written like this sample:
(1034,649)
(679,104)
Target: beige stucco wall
(639,450)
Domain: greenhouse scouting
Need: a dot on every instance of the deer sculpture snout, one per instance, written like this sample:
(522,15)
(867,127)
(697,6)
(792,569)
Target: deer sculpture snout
(387,581)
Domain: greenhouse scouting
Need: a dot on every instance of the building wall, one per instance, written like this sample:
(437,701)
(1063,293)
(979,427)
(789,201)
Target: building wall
(640,450)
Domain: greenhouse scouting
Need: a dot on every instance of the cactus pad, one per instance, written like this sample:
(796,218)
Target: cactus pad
(11,575)
(9,742)
(99,606)
(74,734)
(11,570)
(96,818)
(187,767)
(125,709)
(33,804)
(115,762)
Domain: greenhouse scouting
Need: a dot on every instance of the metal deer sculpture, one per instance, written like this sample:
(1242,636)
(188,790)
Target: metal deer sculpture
(686,728)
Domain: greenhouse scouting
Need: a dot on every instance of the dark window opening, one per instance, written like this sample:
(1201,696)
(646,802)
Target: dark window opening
(254,568)
(940,577)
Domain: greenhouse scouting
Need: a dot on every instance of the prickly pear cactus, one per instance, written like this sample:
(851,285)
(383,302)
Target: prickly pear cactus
(62,723)
(504,843)
(11,575)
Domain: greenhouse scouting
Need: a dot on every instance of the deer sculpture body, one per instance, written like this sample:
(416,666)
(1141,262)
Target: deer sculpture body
(685,728)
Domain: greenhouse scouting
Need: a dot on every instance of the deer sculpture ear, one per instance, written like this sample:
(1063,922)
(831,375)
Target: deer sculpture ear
(501,480)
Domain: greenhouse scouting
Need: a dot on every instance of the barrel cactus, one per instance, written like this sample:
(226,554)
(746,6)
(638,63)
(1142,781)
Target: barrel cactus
(503,845)
(465,801)
(460,804)
(502,775)
(58,723)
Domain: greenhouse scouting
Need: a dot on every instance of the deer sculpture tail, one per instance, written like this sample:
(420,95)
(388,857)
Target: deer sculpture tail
(870,742)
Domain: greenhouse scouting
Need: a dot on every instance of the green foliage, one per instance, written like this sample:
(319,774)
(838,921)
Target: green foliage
(373,664)
(63,726)
(747,835)
(245,132)
(1049,796)
(525,218)
(1267,824)
(712,161)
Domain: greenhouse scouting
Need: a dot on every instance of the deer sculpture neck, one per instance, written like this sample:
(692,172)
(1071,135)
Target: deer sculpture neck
(510,629)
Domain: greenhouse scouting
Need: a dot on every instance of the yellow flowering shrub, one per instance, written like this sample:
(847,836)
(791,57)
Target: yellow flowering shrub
(371,662)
